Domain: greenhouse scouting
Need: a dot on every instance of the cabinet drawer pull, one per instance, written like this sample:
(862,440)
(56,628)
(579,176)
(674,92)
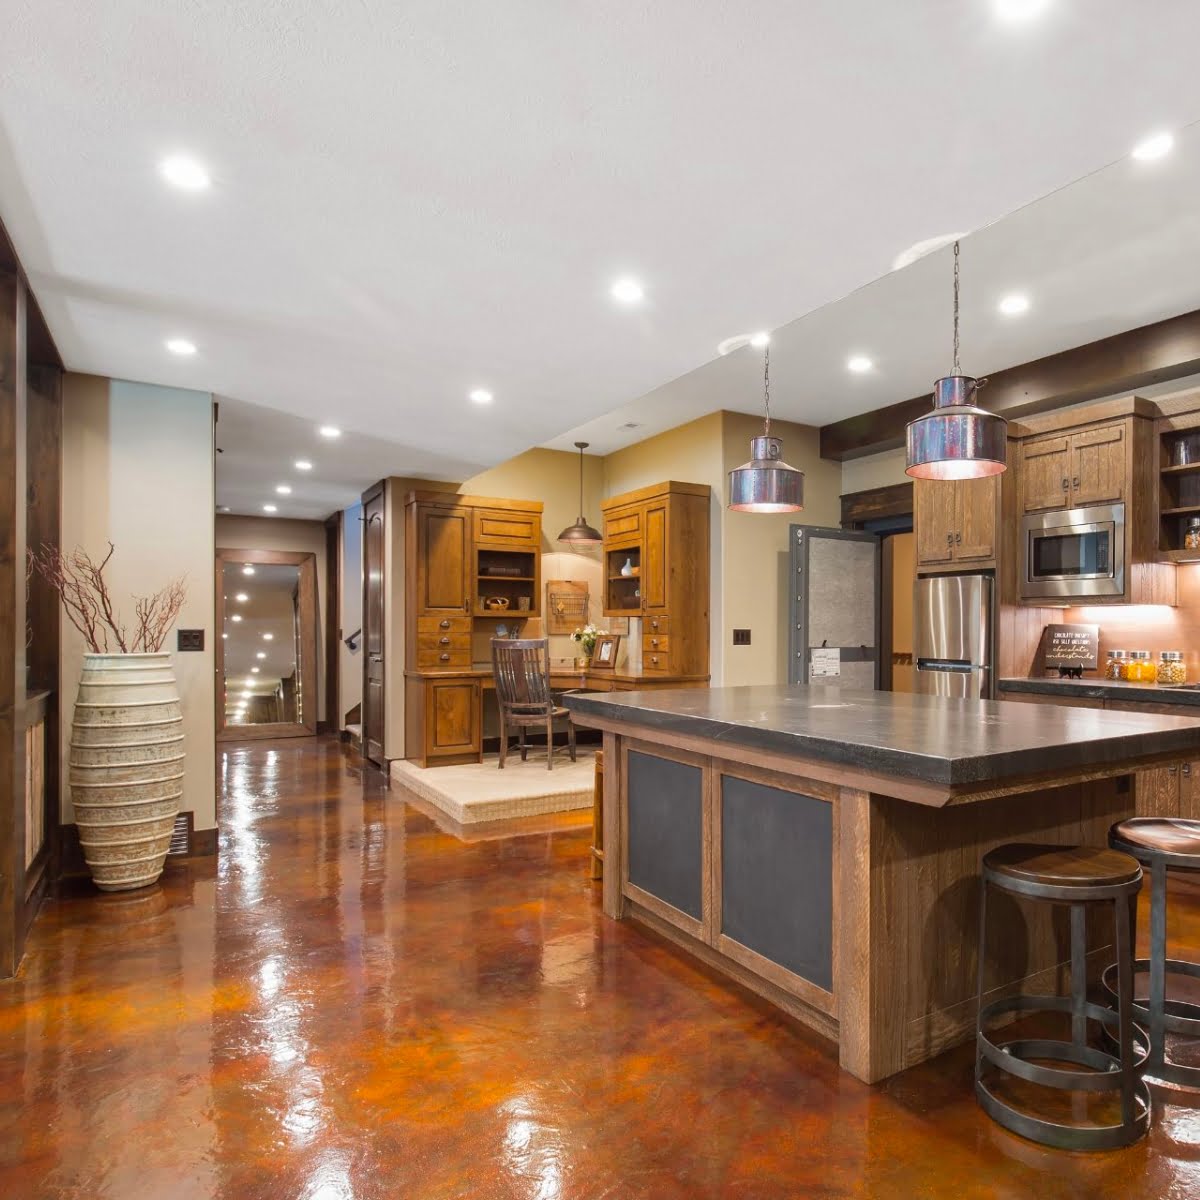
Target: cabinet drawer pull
(1170,770)
(958,539)
(654,660)
(1075,482)
(443,641)
(1066,484)
(444,624)
(1187,768)
(654,641)
(444,657)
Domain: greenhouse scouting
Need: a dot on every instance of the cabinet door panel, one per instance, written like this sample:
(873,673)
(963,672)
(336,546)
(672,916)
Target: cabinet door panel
(496,527)
(654,558)
(1158,792)
(976,508)
(933,509)
(443,557)
(1045,473)
(1098,465)
(453,715)
(1189,792)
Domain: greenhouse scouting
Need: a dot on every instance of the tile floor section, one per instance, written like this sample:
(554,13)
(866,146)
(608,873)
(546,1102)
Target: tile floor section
(354,1005)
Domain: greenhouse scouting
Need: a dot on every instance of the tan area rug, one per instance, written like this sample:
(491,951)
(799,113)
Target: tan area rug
(482,792)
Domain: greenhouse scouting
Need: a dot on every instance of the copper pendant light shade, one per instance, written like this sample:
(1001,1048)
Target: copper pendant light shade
(581,533)
(958,439)
(766,484)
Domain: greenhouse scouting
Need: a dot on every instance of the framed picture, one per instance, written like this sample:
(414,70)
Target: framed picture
(604,655)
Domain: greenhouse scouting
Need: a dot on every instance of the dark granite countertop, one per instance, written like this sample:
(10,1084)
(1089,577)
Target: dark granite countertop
(1104,689)
(927,738)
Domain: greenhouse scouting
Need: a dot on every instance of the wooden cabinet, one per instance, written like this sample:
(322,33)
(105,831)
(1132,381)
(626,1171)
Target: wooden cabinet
(508,529)
(441,568)
(661,535)
(957,522)
(1075,469)
(442,720)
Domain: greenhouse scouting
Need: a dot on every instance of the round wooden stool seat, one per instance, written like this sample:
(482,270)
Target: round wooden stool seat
(1175,839)
(1043,870)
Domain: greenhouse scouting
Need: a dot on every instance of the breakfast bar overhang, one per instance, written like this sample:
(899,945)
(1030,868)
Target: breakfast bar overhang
(822,846)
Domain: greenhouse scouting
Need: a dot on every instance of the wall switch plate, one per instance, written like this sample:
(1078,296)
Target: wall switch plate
(741,637)
(189,639)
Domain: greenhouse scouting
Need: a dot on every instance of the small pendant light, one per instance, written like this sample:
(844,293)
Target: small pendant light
(766,484)
(581,533)
(958,440)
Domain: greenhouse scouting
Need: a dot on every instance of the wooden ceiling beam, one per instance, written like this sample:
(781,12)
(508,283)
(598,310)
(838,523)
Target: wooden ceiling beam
(1127,361)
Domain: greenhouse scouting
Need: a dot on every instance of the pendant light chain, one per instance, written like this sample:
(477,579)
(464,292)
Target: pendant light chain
(767,389)
(956,370)
(581,483)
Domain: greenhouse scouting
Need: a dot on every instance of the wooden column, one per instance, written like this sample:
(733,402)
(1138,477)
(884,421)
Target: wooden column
(13,408)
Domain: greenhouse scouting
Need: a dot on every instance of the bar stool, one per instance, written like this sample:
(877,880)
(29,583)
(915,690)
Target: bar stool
(1078,876)
(1160,843)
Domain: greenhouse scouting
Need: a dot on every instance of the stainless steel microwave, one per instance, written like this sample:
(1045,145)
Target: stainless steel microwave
(1073,553)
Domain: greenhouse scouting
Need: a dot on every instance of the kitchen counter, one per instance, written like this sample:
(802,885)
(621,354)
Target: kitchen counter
(822,846)
(939,741)
(1103,689)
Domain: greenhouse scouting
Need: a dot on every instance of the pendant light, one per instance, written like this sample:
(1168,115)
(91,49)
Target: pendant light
(581,533)
(766,484)
(958,440)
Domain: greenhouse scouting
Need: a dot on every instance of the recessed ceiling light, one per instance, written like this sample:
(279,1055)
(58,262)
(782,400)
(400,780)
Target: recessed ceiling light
(1014,305)
(247,570)
(302,464)
(859,364)
(253,670)
(236,617)
(225,635)
(482,396)
(730,344)
(181,346)
(261,654)
(330,431)
(1019,10)
(241,597)
(269,508)
(283,489)
(1155,146)
(628,291)
(183,171)
(268,637)
(760,339)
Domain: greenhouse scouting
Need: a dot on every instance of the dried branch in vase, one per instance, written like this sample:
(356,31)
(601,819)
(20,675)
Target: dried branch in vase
(87,601)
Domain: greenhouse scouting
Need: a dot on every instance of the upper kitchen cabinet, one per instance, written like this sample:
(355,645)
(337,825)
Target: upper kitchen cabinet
(439,531)
(1076,469)
(957,522)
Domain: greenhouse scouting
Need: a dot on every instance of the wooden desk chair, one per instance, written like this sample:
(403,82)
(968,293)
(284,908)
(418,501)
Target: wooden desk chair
(521,669)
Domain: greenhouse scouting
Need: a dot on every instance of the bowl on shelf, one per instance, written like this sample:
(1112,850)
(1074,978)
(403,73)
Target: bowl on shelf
(495,603)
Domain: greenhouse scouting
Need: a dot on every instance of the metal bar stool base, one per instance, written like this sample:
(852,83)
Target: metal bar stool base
(1013,1057)
(1179,1016)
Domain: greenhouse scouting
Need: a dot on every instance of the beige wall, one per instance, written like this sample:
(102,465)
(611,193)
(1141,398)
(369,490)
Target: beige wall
(138,471)
(755,570)
(271,533)
(873,471)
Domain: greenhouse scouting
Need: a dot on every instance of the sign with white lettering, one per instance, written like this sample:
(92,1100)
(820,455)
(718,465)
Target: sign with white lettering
(1071,647)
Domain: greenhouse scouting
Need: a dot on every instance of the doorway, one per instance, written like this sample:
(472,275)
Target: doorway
(266,656)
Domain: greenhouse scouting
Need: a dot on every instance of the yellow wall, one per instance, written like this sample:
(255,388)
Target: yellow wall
(873,471)
(138,471)
(755,571)
(270,533)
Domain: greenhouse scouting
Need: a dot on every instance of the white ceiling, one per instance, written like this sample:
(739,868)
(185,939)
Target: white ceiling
(413,200)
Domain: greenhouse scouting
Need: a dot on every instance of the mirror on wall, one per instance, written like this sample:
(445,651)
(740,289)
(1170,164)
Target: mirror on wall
(267,650)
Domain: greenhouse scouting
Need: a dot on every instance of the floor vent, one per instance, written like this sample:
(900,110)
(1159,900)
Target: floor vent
(181,835)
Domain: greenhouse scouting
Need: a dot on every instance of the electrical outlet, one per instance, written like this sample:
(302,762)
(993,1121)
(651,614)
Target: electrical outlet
(741,637)
(189,639)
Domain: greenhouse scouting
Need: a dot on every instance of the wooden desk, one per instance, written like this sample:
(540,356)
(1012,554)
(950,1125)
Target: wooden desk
(443,710)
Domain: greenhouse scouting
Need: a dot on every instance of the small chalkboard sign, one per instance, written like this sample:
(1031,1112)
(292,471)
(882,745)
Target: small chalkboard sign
(1071,649)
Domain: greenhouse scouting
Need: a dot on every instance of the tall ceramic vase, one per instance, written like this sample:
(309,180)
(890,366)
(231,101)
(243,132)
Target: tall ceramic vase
(126,766)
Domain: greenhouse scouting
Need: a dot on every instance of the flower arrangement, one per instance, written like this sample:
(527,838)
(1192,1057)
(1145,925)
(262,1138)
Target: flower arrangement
(587,636)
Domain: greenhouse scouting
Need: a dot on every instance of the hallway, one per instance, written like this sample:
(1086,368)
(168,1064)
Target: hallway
(353,1004)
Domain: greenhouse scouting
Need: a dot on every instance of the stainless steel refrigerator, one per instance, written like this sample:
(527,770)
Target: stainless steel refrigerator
(953,635)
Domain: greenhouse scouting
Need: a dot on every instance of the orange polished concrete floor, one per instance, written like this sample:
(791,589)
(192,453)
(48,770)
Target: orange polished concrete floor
(353,1004)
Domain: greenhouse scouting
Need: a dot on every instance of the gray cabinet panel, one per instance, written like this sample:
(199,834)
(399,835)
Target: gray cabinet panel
(665,817)
(777,876)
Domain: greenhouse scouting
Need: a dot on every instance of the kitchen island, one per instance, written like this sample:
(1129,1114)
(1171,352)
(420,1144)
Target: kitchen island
(822,846)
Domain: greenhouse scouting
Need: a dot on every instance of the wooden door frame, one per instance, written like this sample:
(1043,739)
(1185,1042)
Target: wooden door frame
(333,624)
(306,560)
(376,492)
